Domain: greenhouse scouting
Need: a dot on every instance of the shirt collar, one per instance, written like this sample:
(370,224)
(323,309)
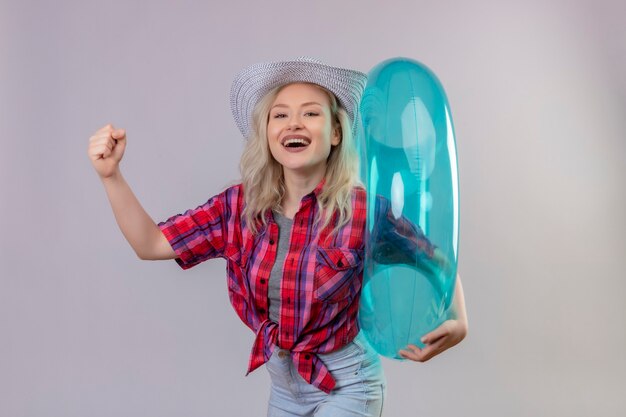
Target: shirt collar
(313,194)
(318,189)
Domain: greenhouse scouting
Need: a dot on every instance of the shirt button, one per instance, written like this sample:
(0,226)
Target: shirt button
(271,241)
(262,280)
(262,310)
(307,356)
(340,264)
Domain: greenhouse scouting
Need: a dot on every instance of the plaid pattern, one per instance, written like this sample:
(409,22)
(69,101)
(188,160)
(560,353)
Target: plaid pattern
(322,274)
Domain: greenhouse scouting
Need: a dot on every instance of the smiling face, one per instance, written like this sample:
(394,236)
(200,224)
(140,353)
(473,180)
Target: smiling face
(300,129)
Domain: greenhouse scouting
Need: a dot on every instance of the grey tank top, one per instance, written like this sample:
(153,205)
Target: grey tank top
(284,234)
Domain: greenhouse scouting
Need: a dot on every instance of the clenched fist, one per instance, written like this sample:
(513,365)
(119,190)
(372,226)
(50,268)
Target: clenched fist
(106,148)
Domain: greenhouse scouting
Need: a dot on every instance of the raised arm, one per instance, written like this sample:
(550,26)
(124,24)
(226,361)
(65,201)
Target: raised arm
(138,228)
(106,148)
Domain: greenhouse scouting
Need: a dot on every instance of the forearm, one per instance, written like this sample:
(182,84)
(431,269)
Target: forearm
(138,228)
(457,310)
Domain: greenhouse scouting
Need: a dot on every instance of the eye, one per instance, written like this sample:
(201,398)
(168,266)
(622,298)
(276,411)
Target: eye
(312,113)
(279,115)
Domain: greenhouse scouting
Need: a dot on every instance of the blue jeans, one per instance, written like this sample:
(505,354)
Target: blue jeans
(359,391)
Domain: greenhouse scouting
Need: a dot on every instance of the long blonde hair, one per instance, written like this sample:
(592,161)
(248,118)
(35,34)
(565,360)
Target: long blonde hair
(263,180)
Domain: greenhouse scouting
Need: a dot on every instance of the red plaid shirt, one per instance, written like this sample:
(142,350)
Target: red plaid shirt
(322,274)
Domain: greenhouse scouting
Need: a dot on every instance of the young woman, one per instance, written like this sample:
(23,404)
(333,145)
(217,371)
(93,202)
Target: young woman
(292,235)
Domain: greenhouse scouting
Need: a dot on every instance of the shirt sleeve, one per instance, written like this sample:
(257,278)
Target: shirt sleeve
(398,240)
(197,234)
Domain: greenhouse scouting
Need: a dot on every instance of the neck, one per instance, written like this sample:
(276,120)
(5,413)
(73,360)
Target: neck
(297,186)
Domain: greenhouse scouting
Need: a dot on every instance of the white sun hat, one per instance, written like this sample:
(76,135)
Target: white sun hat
(252,83)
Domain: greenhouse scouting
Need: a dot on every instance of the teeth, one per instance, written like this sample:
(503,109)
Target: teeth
(295,140)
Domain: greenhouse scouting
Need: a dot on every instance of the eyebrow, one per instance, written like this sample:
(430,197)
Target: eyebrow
(303,104)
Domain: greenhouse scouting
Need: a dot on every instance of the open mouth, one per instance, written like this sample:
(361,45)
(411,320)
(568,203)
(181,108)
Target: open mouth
(296,143)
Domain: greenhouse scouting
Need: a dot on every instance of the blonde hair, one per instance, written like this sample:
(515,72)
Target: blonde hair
(263,180)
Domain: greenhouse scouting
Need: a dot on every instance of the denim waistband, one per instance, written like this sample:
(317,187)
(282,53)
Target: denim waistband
(356,346)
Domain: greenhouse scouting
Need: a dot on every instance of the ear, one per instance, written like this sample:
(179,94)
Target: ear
(336,138)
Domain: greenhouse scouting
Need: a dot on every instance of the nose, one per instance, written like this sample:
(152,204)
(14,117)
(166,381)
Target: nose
(294,122)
